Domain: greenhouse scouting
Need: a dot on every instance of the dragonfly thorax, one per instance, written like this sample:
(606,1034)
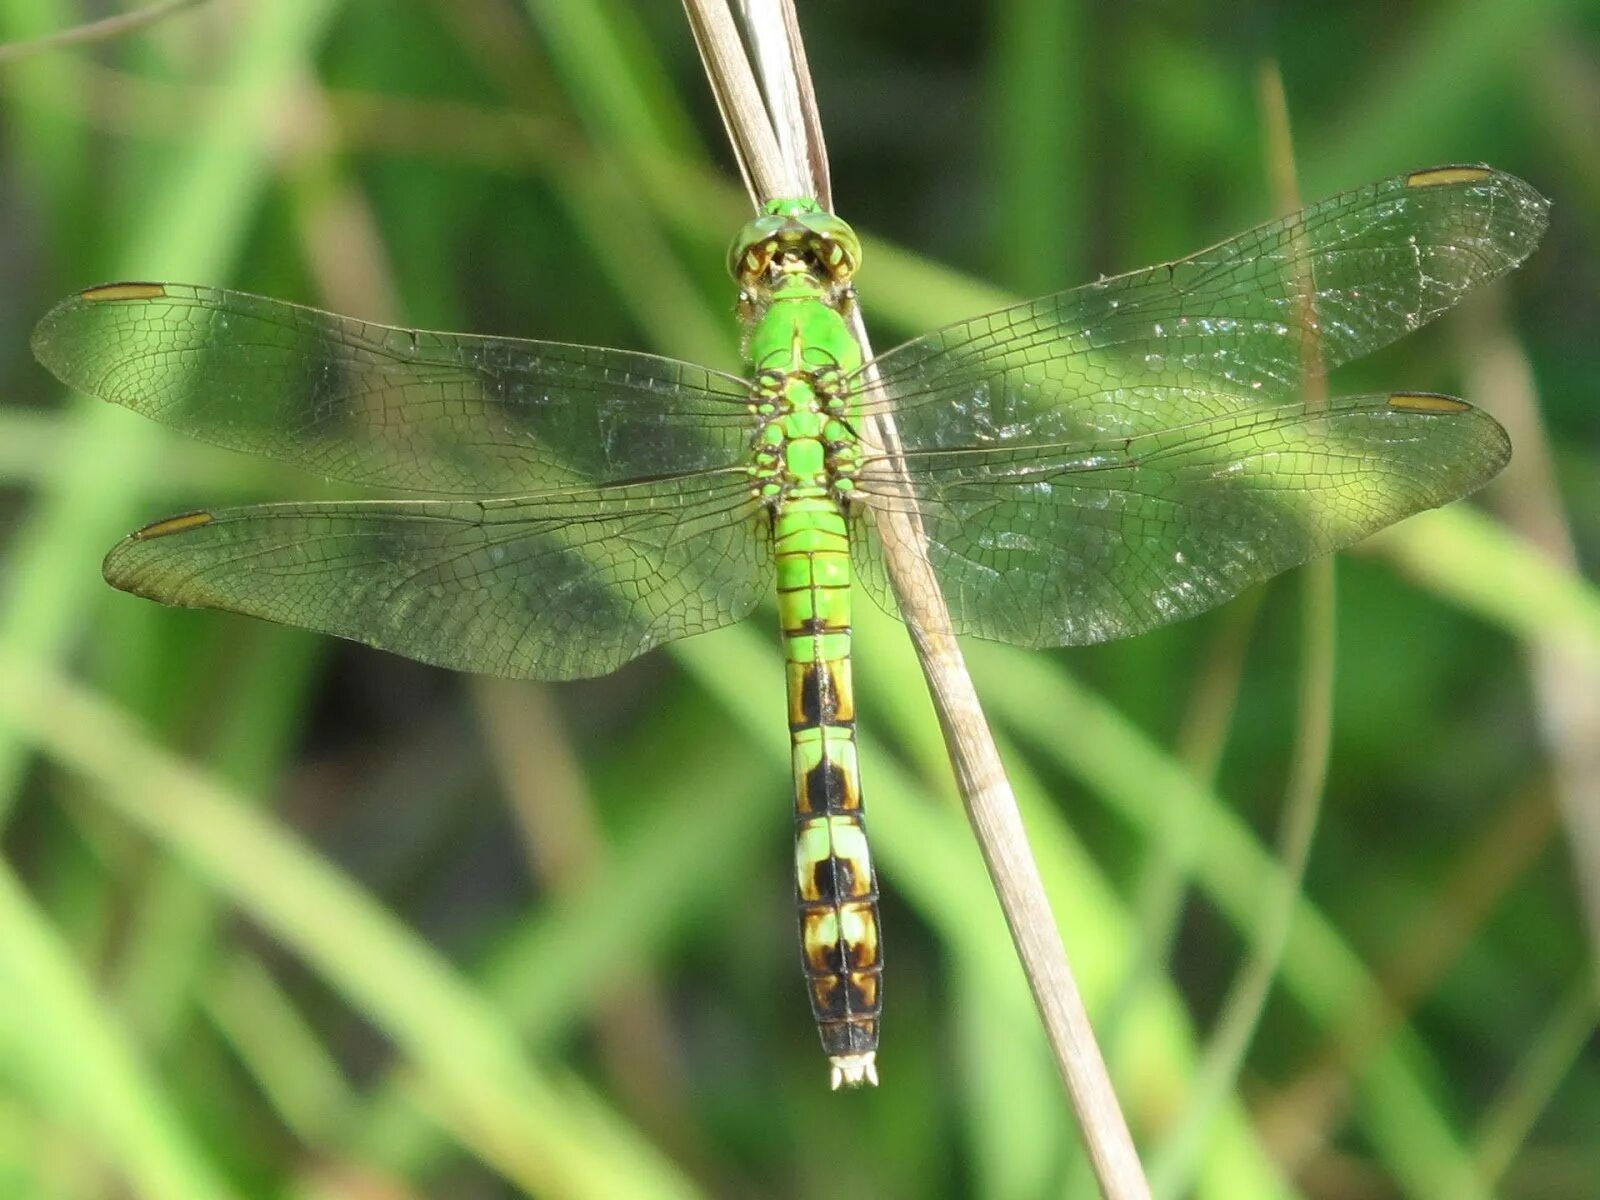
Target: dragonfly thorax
(803,358)
(803,451)
(804,447)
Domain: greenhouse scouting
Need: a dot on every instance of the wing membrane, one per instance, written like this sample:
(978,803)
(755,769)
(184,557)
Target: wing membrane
(1229,328)
(438,412)
(558,586)
(1064,545)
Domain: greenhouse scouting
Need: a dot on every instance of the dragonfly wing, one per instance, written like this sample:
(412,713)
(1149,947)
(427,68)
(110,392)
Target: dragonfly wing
(559,586)
(440,412)
(1044,546)
(1232,327)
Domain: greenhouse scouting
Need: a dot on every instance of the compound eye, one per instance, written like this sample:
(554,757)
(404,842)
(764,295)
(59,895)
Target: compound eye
(833,244)
(748,262)
(752,251)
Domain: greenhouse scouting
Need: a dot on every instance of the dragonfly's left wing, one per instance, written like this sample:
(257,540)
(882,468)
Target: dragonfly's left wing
(448,413)
(1075,543)
(555,586)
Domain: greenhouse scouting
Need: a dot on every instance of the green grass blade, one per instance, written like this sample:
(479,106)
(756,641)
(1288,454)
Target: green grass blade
(617,85)
(1472,561)
(1039,121)
(1172,1163)
(295,1072)
(1087,737)
(1551,1055)
(192,227)
(70,1047)
(544,973)
(544,1135)
(1417,103)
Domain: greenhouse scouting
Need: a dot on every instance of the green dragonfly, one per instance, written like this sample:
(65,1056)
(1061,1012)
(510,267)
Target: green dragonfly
(1085,466)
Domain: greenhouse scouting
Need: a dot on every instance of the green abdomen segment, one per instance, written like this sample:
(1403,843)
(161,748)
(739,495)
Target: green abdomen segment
(835,885)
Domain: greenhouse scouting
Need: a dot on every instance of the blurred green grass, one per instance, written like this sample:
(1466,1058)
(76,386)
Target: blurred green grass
(435,1011)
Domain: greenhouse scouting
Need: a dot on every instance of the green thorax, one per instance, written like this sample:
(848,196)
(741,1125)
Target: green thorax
(800,329)
(794,265)
(802,356)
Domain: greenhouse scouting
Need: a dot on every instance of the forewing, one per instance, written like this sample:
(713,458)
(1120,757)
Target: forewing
(1051,546)
(559,586)
(446,413)
(1228,329)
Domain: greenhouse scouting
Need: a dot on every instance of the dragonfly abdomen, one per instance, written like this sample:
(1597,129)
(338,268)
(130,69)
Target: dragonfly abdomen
(835,885)
(793,265)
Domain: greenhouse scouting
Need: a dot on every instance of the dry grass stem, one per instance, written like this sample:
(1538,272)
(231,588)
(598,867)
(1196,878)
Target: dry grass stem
(744,116)
(980,775)
(95,31)
(1566,688)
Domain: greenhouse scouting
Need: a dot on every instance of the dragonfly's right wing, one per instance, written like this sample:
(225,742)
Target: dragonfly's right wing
(1074,543)
(1094,463)
(556,586)
(1234,327)
(447,413)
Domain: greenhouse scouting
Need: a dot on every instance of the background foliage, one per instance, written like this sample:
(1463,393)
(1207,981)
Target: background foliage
(284,917)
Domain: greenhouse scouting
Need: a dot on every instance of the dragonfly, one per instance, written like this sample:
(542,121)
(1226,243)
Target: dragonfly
(1084,466)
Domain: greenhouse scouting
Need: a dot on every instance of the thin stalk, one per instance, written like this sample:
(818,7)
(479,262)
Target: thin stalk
(1310,1108)
(1551,1056)
(554,813)
(95,31)
(1247,997)
(1082,735)
(1566,688)
(810,115)
(1167,875)
(980,775)
(298,1077)
(733,83)
(992,811)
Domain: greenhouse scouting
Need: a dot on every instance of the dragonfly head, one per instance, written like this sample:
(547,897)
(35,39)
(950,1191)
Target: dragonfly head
(791,236)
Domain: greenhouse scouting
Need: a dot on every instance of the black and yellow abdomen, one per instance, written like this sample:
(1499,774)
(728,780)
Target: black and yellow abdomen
(834,880)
